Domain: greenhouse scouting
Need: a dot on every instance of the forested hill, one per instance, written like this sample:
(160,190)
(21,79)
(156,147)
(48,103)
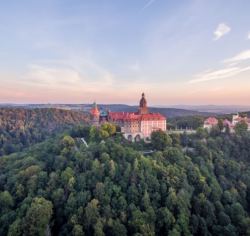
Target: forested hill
(20,127)
(61,187)
(168,112)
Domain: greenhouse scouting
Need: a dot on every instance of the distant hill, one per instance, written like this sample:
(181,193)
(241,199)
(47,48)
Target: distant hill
(168,112)
(20,127)
(218,109)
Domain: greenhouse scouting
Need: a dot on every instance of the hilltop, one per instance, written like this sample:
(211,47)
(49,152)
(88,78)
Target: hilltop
(20,127)
(168,112)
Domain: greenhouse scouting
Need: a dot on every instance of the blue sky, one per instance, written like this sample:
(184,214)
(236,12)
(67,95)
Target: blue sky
(177,52)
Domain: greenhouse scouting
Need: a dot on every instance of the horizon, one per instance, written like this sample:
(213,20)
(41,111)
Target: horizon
(195,53)
(132,104)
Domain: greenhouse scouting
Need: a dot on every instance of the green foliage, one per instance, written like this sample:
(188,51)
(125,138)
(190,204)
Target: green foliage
(160,140)
(68,141)
(241,128)
(201,133)
(61,187)
(186,122)
(36,221)
(20,128)
(109,128)
(98,133)
(6,200)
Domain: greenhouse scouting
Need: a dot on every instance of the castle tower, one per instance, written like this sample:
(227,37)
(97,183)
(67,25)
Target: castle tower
(95,114)
(143,109)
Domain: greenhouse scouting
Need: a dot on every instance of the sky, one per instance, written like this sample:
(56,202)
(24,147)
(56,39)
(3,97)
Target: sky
(193,52)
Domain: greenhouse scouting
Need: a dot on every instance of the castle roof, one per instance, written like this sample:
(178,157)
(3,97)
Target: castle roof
(211,121)
(132,116)
(95,111)
(103,112)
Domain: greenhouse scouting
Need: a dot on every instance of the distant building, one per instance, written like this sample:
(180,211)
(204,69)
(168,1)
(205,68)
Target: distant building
(228,125)
(135,125)
(210,122)
(238,119)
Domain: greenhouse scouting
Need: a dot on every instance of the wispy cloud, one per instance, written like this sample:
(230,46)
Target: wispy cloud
(68,74)
(221,30)
(248,35)
(219,74)
(149,3)
(242,56)
(46,75)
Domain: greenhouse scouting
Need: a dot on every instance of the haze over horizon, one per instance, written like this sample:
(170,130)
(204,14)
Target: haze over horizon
(193,52)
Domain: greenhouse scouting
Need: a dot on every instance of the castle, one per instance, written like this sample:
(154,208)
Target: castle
(134,125)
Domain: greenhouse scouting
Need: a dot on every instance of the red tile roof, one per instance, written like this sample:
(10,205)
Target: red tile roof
(94,111)
(131,116)
(153,116)
(211,121)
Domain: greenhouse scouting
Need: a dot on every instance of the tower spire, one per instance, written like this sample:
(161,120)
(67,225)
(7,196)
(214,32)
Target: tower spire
(143,109)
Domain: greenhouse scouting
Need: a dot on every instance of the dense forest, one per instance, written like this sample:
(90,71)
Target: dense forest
(21,127)
(185,122)
(190,185)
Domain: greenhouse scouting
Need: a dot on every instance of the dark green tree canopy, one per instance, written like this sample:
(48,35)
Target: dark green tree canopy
(189,185)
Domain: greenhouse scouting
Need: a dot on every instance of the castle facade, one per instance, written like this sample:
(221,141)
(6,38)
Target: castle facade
(134,125)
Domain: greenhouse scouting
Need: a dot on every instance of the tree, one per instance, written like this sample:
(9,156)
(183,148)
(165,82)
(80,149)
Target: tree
(118,229)
(166,219)
(146,201)
(98,133)
(36,221)
(77,230)
(201,133)
(109,128)
(241,128)
(176,139)
(220,124)
(68,141)
(224,219)
(94,134)
(6,200)
(15,228)
(98,229)
(160,140)
(68,178)
(99,192)
(92,213)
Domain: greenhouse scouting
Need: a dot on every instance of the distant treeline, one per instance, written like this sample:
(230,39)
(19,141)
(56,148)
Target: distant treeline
(196,121)
(185,122)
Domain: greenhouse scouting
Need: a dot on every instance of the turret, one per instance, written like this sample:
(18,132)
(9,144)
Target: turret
(95,114)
